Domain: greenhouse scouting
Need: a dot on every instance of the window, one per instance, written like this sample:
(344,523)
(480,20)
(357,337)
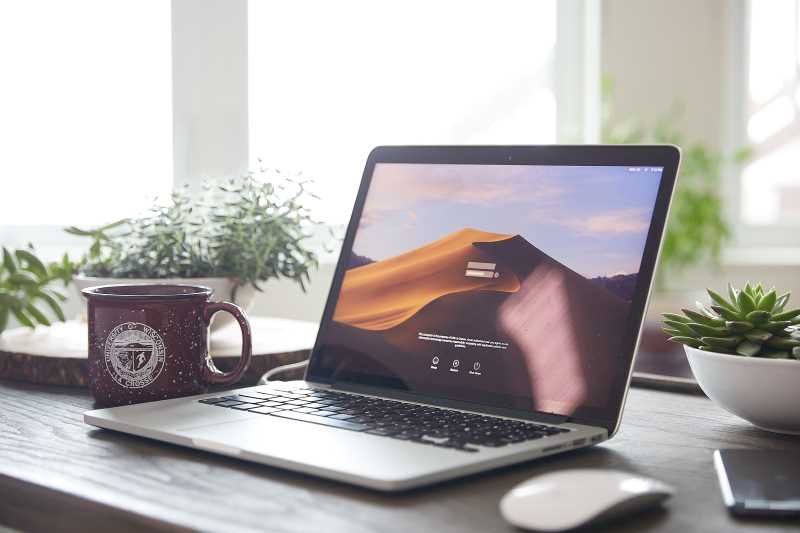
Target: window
(770,186)
(330,80)
(86,131)
(111,102)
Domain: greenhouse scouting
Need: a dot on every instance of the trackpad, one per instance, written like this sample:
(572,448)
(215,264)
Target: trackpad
(290,443)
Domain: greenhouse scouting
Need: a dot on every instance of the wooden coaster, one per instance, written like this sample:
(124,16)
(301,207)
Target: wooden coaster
(56,355)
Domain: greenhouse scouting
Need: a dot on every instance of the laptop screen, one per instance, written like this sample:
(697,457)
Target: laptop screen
(504,285)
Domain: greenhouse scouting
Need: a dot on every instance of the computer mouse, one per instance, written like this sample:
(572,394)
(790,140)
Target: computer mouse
(571,498)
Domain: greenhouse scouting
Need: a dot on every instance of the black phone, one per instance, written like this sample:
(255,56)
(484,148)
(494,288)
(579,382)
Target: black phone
(759,482)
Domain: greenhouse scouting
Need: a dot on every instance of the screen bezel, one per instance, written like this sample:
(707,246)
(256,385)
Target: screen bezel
(665,156)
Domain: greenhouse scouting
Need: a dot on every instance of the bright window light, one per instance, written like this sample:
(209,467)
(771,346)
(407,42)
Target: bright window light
(771,119)
(770,187)
(330,80)
(770,184)
(772,47)
(86,123)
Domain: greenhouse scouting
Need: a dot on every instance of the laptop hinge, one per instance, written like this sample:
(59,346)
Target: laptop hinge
(534,416)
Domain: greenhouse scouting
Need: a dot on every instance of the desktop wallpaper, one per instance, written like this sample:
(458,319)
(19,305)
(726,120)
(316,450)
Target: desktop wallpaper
(492,282)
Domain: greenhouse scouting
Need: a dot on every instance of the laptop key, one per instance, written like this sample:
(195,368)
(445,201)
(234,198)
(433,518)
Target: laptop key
(245,406)
(271,404)
(256,395)
(381,431)
(294,415)
(321,412)
(238,398)
(263,410)
(228,403)
(212,400)
(297,402)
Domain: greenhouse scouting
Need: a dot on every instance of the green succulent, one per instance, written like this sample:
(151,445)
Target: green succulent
(752,323)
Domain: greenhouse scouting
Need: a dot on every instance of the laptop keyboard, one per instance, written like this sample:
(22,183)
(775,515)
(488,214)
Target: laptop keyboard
(398,420)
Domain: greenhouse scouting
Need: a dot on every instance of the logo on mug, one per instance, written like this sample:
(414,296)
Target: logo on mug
(134,354)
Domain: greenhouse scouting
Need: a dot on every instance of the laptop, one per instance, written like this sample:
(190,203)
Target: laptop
(485,311)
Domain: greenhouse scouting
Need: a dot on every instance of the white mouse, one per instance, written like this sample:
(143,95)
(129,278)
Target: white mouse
(571,498)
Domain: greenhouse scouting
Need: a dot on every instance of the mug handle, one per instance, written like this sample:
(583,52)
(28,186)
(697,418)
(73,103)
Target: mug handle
(211,373)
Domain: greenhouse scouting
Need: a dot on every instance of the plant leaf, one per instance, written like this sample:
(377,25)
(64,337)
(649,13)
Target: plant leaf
(21,318)
(767,301)
(37,315)
(726,313)
(732,293)
(23,278)
(682,327)
(676,317)
(8,261)
(746,303)
(689,341)
(782,343)
(33,263)
(707,331)
(781,302)
(720,301)
(758,335)
(739,326)
(722,342)
(52,303)
(786,315)
(703,318)
(748,348)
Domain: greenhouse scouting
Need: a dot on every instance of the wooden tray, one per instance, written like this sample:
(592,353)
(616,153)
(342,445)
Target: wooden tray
(56,355)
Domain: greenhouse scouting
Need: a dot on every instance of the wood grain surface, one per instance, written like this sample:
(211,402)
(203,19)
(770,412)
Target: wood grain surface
(57,355)
(58,474)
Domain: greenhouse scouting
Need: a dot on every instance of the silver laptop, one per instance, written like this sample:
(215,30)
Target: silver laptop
(485,311)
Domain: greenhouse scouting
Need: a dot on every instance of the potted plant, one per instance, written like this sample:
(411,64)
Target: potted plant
(745,353)
(232,237)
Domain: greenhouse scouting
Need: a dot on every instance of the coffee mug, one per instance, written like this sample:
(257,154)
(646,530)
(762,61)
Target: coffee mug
(150,342)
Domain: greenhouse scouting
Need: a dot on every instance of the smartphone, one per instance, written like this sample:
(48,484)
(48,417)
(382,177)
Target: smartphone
(759,482)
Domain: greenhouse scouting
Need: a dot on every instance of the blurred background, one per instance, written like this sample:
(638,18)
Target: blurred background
(106,104)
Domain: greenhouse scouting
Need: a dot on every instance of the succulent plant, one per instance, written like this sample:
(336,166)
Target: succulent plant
(751,323)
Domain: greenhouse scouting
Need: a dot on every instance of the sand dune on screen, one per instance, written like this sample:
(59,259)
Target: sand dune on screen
(382,295)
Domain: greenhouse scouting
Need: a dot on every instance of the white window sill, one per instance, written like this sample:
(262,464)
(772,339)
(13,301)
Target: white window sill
(762,256)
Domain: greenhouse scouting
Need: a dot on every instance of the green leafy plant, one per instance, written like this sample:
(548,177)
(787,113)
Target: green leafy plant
(251,229)
(752,323)
(696,229)
(26,285)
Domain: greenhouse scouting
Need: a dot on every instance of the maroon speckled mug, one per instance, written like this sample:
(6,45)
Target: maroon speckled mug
(150,342)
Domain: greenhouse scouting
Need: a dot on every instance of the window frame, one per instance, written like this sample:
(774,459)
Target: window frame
(751,244)
(210,94)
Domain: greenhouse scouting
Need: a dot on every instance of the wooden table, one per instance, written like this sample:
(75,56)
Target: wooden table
(57,474)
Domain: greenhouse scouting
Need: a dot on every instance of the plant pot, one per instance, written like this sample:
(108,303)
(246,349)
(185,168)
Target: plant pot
(765,392)
(222,287)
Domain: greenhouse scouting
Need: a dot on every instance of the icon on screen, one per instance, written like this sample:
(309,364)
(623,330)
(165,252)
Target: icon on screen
(477,269)
(435,360)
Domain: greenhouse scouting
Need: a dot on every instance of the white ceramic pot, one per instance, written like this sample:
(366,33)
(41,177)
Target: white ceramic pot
(222,288)
(765,392)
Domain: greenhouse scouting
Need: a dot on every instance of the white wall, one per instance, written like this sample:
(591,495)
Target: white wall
(661,52)
(285,299)
(209,87)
